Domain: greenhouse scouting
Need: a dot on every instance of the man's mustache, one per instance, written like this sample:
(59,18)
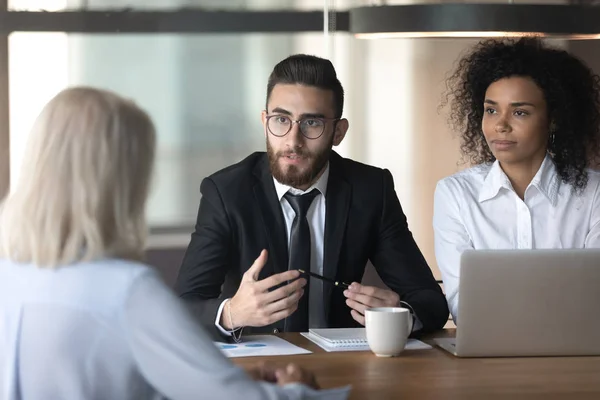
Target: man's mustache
(298,153)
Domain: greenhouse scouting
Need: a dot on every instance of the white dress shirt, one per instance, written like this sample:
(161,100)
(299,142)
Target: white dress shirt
(111,329)
(479,209)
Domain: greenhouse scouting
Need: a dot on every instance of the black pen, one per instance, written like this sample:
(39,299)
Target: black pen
(335,283)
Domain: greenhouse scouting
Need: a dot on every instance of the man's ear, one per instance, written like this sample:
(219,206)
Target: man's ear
(263,118)
(341,127)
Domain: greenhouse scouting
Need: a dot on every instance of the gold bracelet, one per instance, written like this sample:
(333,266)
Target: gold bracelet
(237,339)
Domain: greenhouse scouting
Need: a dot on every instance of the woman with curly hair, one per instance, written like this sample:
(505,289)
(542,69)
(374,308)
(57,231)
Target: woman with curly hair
(529,120)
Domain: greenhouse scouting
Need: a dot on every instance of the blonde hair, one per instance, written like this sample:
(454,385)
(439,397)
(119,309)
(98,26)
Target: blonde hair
(83,184)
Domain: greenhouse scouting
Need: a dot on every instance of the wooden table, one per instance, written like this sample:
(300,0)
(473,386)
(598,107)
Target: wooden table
(435,374)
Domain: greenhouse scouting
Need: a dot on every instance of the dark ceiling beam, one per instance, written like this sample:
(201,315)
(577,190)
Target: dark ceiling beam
(179,21)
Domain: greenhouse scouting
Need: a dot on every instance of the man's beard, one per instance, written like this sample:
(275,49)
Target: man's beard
(293,176)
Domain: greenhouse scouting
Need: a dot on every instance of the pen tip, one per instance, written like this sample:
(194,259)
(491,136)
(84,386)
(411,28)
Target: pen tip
(301,271)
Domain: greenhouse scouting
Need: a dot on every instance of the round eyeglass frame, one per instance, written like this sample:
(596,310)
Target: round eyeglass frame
(298,121)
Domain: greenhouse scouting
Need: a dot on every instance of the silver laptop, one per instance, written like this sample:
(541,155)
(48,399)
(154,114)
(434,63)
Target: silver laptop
(528,303)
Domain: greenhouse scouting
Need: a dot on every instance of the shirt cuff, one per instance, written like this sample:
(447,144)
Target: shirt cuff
(417,324)
(219,312)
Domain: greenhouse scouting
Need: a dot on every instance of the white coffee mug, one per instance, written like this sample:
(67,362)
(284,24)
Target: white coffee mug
(388,329)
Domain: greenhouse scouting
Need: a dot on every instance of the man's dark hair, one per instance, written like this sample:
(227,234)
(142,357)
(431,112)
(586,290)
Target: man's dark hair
(310,71)
(571,90)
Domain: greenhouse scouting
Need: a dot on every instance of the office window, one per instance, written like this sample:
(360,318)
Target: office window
(204,92)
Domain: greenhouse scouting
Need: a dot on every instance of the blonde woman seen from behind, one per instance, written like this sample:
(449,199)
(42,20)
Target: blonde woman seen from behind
(80,316)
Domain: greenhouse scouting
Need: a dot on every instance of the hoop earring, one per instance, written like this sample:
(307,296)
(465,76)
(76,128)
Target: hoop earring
(552,139)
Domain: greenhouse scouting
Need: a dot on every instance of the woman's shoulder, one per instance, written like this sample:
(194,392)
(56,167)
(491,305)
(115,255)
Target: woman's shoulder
(100,287)
(125,268)
(467,180)
(104,284)
(118,273)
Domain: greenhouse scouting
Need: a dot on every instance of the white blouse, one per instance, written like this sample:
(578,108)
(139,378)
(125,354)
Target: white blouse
(479,209)
(111,329)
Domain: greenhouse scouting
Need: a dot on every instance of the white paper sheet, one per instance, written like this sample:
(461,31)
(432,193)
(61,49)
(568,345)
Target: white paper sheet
(260,345)
(412,344)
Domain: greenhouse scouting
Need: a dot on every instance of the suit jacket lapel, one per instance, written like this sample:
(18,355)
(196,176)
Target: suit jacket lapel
(337,204)
(272,216)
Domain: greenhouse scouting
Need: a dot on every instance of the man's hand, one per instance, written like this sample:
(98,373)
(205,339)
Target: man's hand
(291,373)
(359,298)
(254,305)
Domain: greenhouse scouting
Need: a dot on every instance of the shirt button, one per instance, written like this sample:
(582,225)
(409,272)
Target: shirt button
(275,330)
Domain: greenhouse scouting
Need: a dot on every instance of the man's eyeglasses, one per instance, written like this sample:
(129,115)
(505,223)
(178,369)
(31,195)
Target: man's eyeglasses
(311,127)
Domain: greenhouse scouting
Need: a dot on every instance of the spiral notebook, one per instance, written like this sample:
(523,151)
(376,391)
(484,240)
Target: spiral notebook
(350,339)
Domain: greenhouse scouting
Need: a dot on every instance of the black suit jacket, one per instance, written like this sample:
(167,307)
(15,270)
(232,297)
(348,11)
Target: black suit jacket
(240,215)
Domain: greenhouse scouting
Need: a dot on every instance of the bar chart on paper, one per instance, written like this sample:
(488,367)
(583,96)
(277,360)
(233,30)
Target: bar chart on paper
(260,345)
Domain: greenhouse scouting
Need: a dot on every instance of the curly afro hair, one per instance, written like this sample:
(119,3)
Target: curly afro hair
(571,91)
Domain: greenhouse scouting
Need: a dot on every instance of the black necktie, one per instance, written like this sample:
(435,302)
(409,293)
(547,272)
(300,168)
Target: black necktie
(299,255)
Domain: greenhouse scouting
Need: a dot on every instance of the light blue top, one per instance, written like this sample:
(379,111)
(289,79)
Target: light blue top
(111,329)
